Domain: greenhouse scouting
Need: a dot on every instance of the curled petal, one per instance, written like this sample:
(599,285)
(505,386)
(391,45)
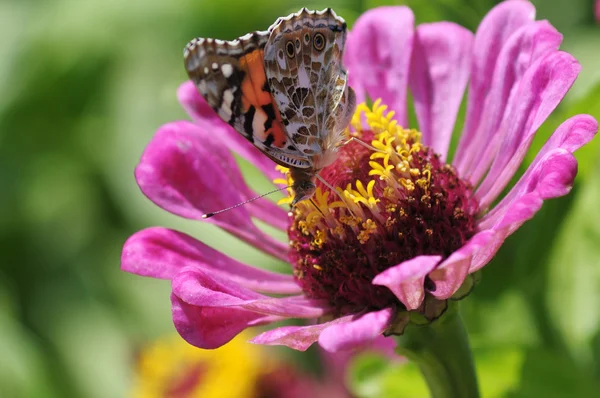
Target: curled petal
(162,253)
(297,337)
(451,273)
(521,210)
(356,333)
(377,56)
(189,176)
(197,287)
(571,135)
(539,92)
(205,116)
(550,175)
(208,311)
(210,327)
(439,73)
(406,279)
(493,32)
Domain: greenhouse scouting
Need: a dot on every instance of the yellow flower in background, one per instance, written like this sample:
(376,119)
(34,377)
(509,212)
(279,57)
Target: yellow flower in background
(169,367)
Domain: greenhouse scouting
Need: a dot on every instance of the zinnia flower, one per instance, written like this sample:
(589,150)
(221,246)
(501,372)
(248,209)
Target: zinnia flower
(407,228)
(170,368)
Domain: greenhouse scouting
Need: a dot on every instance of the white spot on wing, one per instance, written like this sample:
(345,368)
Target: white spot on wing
(227,70)
(303,79)
(225,111)
(258,123)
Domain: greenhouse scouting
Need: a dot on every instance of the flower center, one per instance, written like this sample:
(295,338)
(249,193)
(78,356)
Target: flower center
(395,200)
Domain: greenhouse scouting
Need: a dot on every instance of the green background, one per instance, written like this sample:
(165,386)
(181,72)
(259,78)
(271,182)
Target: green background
(84,84)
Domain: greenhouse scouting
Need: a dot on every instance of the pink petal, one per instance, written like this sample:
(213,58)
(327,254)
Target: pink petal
(336,363)
(297,337)
(206,289)
(162,253)
(493,32)
(208,121)
(530,43)
(550,175)
(385,346)
(451,273)
(186,172)
(552,172)
(378,53)
(356,333)
(537,95)
(203,114)
(520,211)
(439,73)
(210,327)
(569,136)
(406,279)
(208,311)
(268,212)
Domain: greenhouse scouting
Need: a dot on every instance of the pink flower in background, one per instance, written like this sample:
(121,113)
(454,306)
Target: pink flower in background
(597,10)
(409,226)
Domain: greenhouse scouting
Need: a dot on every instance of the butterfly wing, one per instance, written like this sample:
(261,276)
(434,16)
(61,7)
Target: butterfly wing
(230,75)
(303,63)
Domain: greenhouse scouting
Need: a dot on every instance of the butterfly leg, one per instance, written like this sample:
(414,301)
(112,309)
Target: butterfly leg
(328,185)
(317,207)
(361,142)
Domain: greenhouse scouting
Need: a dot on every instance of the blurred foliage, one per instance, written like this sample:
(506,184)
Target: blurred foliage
(86,83)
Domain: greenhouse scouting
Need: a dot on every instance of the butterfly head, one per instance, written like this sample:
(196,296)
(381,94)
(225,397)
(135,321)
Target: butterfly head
(304,184)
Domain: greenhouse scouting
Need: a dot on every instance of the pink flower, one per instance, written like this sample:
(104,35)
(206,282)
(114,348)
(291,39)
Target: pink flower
(407,231)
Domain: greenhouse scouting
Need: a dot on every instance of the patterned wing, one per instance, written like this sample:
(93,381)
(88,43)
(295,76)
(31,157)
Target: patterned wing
(303,63)
(231,77)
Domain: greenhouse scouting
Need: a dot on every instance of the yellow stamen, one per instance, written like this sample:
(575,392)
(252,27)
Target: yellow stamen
(369,228)
(393,161)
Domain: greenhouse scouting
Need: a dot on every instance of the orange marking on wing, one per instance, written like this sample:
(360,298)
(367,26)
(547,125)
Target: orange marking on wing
(254,95)
(279,134)
(254,79)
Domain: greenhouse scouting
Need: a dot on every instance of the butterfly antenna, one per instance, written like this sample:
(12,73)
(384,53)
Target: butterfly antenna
(208,215)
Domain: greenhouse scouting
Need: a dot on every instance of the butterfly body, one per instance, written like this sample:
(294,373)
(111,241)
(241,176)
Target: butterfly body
(283,89)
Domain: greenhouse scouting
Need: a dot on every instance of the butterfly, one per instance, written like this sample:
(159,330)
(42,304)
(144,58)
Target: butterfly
(283,89)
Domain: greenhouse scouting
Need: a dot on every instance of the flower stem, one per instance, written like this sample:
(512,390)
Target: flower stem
(442,352)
